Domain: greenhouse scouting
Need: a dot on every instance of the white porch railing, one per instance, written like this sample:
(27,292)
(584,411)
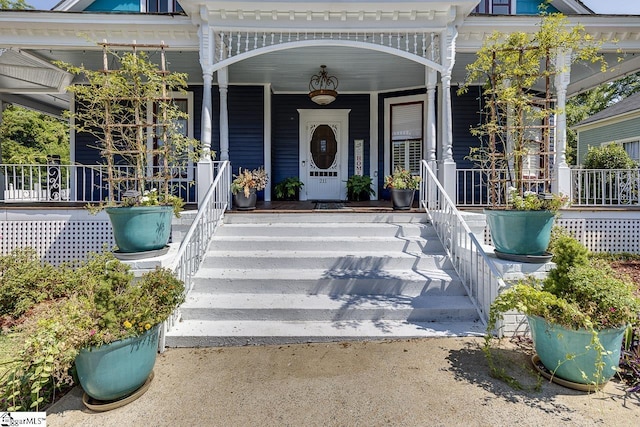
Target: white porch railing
(605,187)
(473,189)
(479,275)
(589,187)
(78,183)
(194,245)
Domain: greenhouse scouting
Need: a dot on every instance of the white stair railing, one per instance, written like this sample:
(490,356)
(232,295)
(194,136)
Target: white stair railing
(194,246)
(480,277)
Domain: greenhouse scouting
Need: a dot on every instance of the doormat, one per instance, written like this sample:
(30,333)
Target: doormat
(323,206)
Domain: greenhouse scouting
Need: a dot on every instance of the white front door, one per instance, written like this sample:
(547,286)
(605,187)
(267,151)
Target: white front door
(324,150)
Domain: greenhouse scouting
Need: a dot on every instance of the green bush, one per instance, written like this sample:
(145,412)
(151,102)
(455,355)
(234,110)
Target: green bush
(359,187)
(610,156)
(288,188)
(25,281)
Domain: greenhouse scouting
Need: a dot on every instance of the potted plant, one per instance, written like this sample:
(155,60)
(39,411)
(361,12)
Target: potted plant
(402,185)
(138,130)
(516,151)
(577,316)
(289,188)
(106,325)
(245,185)
(359,188)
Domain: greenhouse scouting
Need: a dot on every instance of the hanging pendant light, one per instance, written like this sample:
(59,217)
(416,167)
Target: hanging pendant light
(322,87)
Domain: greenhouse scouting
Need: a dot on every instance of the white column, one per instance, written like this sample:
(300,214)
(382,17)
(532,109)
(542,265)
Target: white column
(223,85)
(562,173)
(447,171)
(430,132)
(205,164)
(267,139)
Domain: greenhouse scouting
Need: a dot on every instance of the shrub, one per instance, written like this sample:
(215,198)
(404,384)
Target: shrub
(610,156)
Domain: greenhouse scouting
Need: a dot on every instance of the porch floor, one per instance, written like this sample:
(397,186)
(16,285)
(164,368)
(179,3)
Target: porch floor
(325,206)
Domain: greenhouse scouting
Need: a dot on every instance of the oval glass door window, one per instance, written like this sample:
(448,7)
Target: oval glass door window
(323,147)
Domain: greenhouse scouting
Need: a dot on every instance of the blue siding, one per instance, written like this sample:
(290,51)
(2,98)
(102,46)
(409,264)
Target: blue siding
(285,130)
(114,6)
(466,114)
(246,126)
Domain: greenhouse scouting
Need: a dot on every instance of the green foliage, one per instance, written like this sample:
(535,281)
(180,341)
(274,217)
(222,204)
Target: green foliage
(610,156)
(246,180)
(25,282)
(29,137)
(530,201)
(359,187)
(126,107)
(577,295)
(107,304)
(568,253)
(15,4)
(288,188)
(402,179)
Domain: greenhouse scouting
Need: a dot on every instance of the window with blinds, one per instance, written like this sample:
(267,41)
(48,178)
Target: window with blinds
(407,136)
(632,149)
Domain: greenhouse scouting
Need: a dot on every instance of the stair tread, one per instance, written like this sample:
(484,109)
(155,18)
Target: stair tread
(330,253)
(316,274)
(330,329)
(324,301)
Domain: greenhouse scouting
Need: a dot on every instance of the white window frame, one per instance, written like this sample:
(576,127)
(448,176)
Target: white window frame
(388,102)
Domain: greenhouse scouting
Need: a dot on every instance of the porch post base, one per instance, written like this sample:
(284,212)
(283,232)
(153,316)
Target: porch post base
(562,182)
(205,179)
(447,175)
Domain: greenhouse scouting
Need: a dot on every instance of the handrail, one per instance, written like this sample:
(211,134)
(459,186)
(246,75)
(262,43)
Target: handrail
(194,245)
(605,187)
(478,273)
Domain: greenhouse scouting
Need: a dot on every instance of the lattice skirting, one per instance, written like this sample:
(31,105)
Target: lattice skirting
(57,241)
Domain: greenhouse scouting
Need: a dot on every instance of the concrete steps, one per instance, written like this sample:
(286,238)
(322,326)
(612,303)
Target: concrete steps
(284,278)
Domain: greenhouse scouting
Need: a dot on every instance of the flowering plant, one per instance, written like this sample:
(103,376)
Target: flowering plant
(102,303)
(532,201)
(402,179)
(246,180)
(153,198)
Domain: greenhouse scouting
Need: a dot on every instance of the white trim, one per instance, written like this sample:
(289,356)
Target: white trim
(327,42)
(612,120)
(322,116)
(267,138)
(374,98)
(387,123)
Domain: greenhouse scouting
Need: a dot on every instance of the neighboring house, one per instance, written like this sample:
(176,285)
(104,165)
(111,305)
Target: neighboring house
(619,123)
(398,66)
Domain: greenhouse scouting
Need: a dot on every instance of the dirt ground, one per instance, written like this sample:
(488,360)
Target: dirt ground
(418,382)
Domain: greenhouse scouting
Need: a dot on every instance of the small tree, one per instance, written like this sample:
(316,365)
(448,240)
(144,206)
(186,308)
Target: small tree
(518,70)
(135,121)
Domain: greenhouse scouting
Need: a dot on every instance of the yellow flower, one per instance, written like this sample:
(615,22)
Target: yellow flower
(147,326)
(127,324)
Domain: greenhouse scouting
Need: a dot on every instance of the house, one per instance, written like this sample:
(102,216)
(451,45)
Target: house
(619,123)
(397,66)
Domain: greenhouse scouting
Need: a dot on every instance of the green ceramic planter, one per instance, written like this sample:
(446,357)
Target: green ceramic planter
(141,228)
(553,343)
(115,370)
(520,232)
